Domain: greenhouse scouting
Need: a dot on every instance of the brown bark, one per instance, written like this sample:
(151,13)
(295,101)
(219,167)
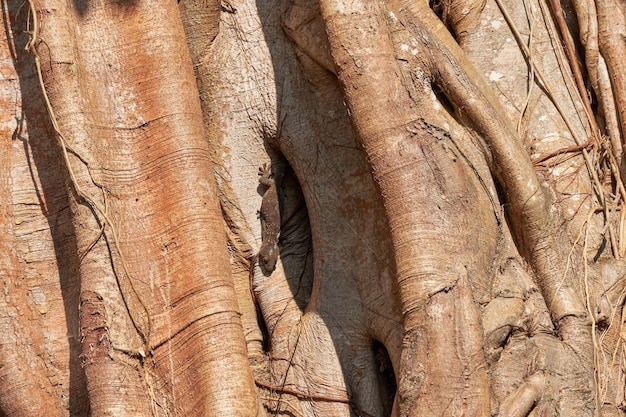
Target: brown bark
(611,31)
(41,372)
(146,213)
(25,388)
(402,144)
(450,234)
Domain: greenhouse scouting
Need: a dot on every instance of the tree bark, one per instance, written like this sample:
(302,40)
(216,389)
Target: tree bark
(312,208)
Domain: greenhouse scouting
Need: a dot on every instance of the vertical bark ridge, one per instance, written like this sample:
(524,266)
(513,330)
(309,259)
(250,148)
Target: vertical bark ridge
(133,125)
(409,165)
(40,373)
(55,24)
(611,33)
(25,389)
(201,23)
(534,214)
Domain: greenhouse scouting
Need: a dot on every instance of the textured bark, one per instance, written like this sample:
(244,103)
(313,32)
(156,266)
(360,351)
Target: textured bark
(402,146)
(41,373)
(451,233)
(22,351)
(145,212)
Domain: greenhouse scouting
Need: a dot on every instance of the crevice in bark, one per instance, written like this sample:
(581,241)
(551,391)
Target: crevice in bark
(295,241)
(265,334)
(389,385)
(458,16)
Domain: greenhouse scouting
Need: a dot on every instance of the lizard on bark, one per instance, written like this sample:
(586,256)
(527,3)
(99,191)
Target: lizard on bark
(270,216)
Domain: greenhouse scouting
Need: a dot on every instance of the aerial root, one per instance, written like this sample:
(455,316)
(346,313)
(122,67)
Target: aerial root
(525,397)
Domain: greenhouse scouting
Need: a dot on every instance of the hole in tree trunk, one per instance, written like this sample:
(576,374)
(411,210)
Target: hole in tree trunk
(386,375)
(443,99)
(264,331)
(295,241)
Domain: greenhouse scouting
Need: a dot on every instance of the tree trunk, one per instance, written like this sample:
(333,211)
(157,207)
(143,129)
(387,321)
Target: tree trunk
(333,208)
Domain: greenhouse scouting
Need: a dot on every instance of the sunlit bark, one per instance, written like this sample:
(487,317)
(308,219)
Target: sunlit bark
(451,232)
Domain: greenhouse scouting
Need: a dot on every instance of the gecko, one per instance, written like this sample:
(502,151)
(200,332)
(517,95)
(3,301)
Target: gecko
(270,217)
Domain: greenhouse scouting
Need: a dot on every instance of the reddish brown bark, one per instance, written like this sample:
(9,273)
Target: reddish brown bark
(436,254)
(41,373)
(161,319)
